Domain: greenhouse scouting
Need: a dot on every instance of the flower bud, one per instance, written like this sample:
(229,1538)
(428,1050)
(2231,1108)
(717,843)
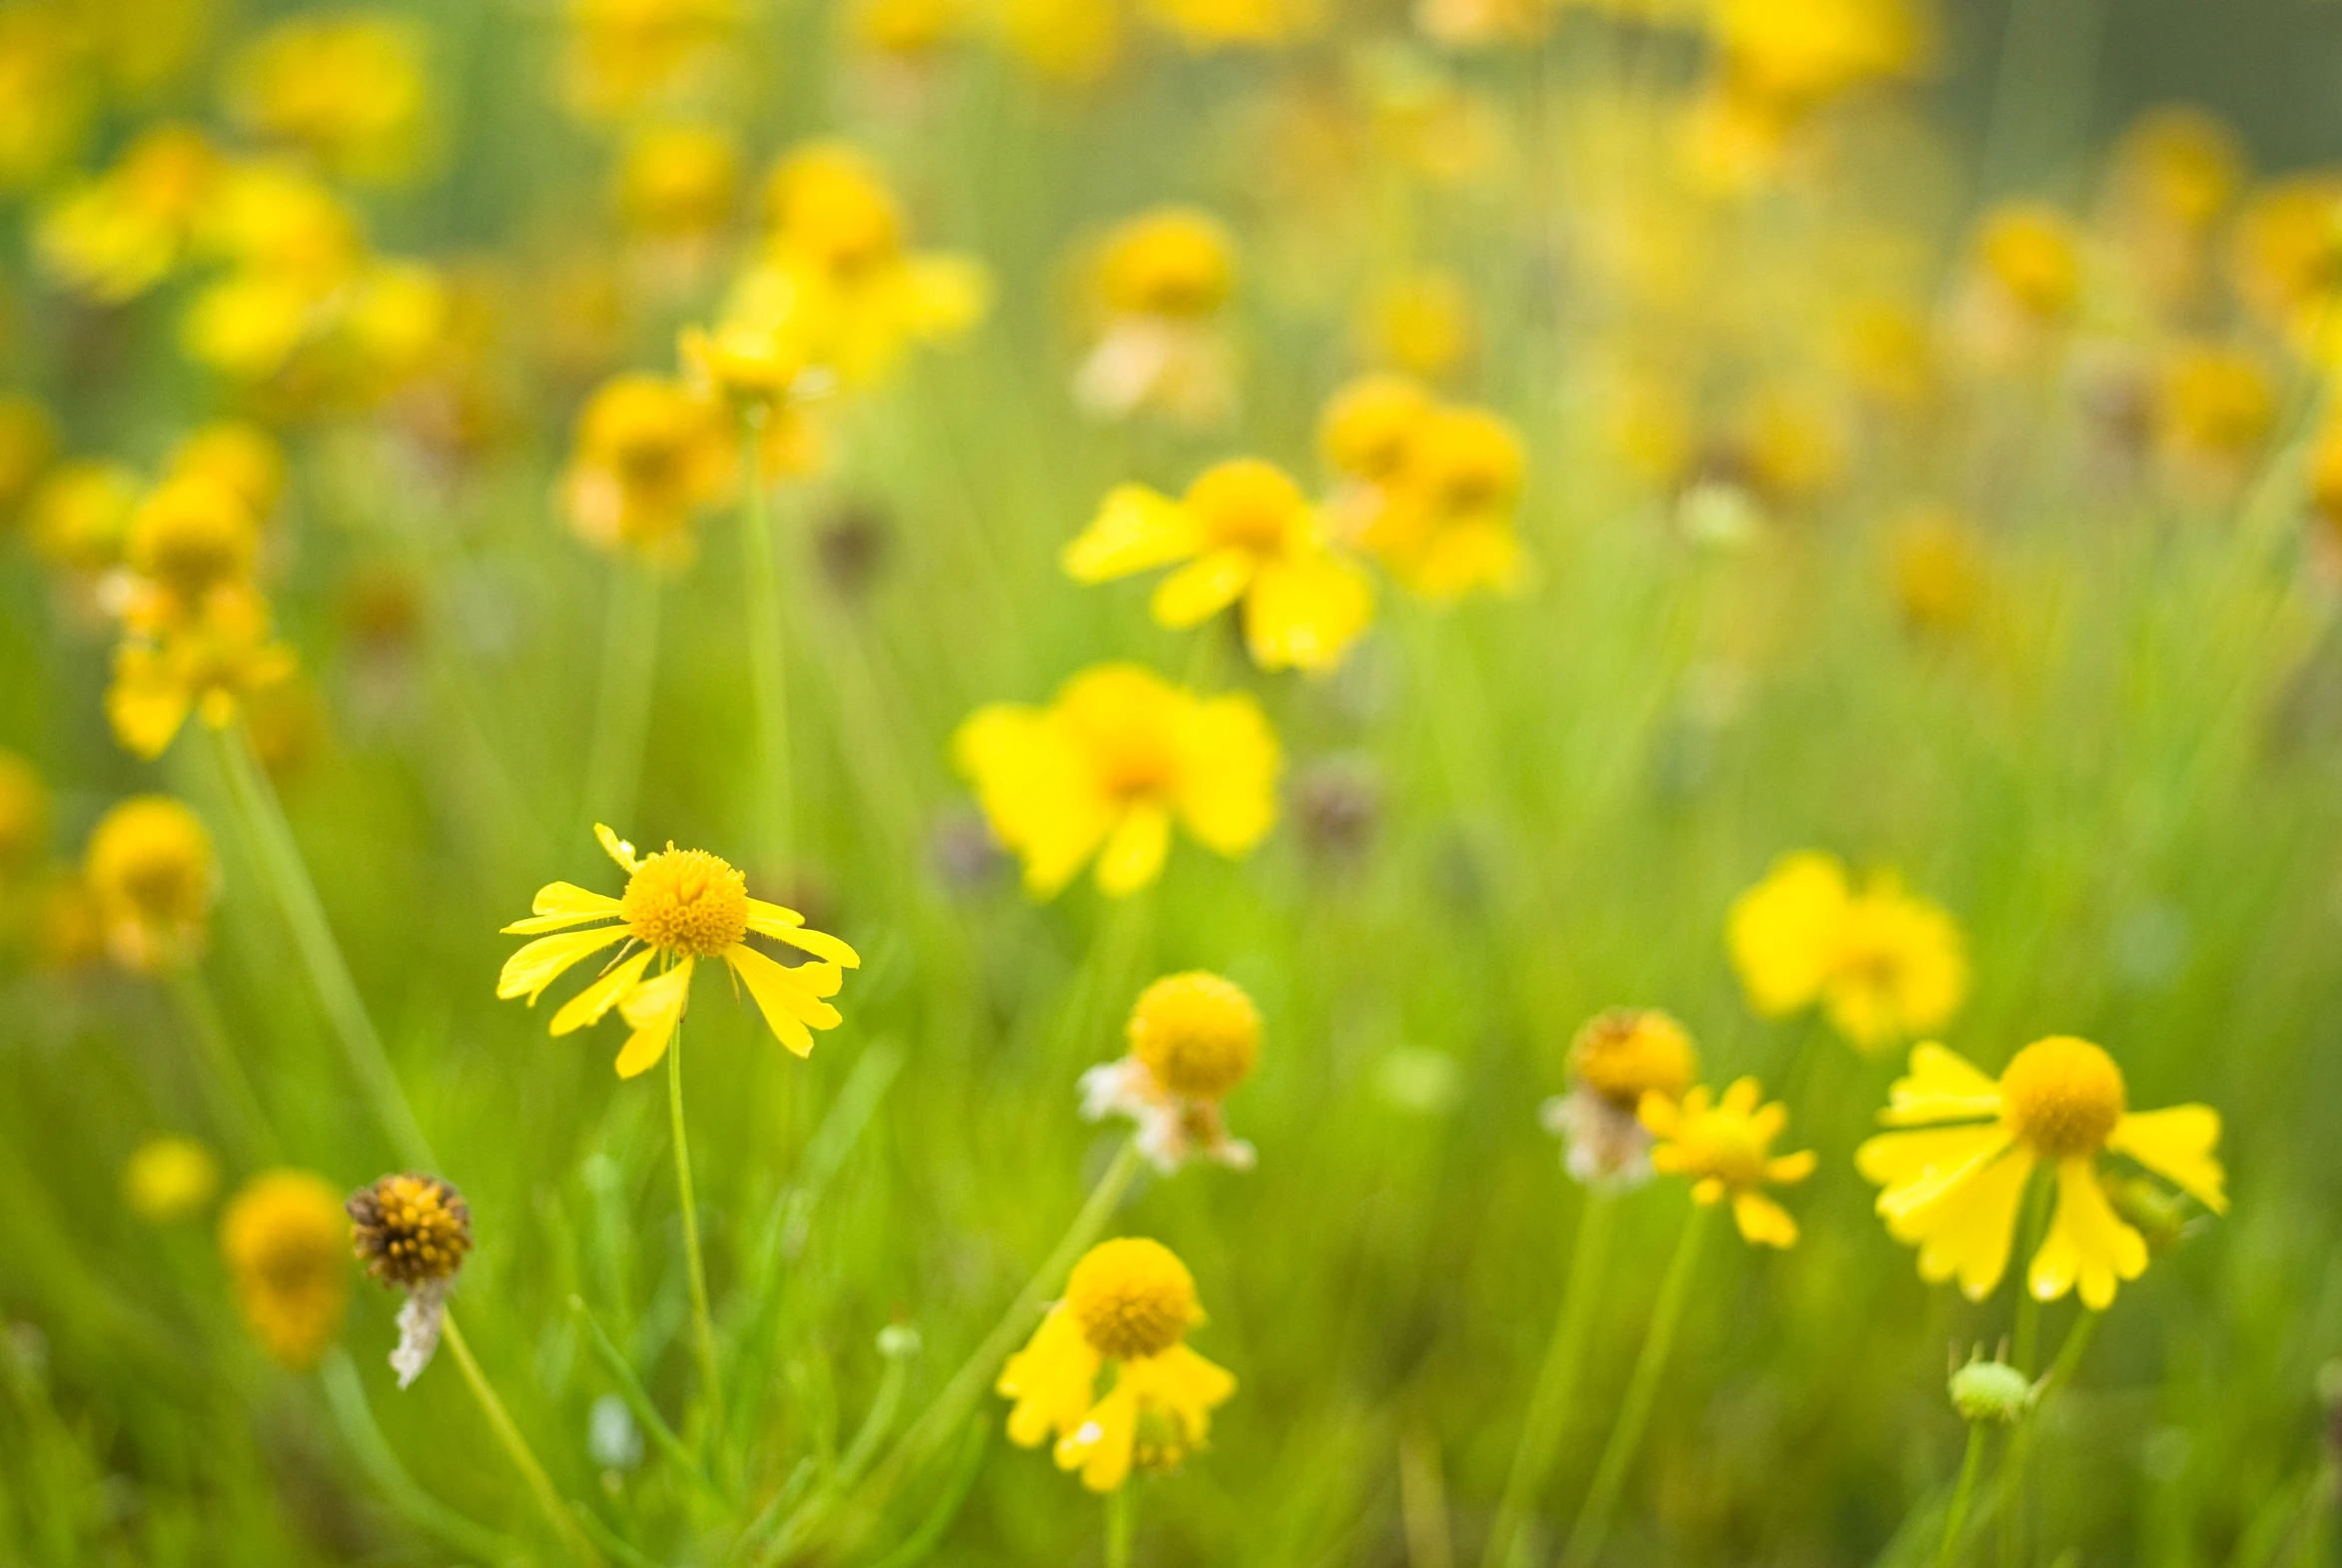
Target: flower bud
(1990,1393)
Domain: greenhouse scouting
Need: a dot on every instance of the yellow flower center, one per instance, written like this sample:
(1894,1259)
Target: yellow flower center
(1626,1052)
(686,901)
(1726,1146)
(1128,720)
(2063,1097)
(1246,504)
(1197,1034)
(1131,1297)
(192,533)
(153,854)
(411,1228)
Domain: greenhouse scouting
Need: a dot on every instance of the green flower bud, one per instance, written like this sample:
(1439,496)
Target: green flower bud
(1990,1392)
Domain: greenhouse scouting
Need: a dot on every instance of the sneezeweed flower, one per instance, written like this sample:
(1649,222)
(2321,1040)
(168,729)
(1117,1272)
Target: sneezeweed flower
(2216,407)
(1884,966)
(2286,256)
(207,664)
(651,454)
(625,55)
(1103,771)
(1954,1190)
(286,1242)
(412,1232)
(1618,1057)
(1194,1037)
(1799,57)
(168,1178)
(1937,566)
(1445,526)
(1248,537)
(349,89)
(680,906)
(192,538)
(1725,1147)
(1128,1307)
(239,454)
(1159,285)
(679,180)
(151,868)
(120,233)
(2030,256)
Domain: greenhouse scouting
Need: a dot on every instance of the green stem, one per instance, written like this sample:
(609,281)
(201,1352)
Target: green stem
(2017,1460)
(702,1323)
(638,1398)
(1956,1517)
(1549,1402)
(1642,1389)
(279,858)
(233,1100)
(1118,1527)
(629,678)
(346,1396)
(767,667)
(2070,1354)
(540,1485)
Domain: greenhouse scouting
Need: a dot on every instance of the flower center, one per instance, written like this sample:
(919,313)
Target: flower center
(1132,1298)
(1249,504)
(411,1228)
(686,901)
(1197,1034)
(1726,1148)
(1627,1052)
(2063,1097)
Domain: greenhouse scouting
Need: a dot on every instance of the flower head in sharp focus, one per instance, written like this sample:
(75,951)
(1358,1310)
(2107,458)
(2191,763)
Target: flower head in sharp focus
(651,454)
(1618,1057)
(1724,1146)
(680,906)
(1128,1307)
(1246,536)
(1884,966)
(287,1243)
(1102,772)
(1954,1187)
(412,1232)
(1429,490)
(153,875)
(1160,284)
(1193,1038)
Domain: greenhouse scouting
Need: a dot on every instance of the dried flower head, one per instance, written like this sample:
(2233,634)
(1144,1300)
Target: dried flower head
(412,1231)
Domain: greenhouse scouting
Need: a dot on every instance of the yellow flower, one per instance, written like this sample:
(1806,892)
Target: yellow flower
(1422,324)
(1158,283)
(1884,966)
(191,538)
(1173,261)
(1445,523)
(115,236)
(2033,255)
(287,1243)
(1103,771)
(1618,1057)
(1194,1039)
(625,54)
(905,29)
(412,1232)
(651,452)
(1953,1190)
(2179,165)
(1072,42)
(678,179)
(2215,402)
(151,868)
(239,454)
(1247,535)
(1724,1146)
(79,516)
(680,906)
(1937,568)
(168,1178)
(348,88)
(2287,254)
(206,662)
(1129,1306)
(1798,55)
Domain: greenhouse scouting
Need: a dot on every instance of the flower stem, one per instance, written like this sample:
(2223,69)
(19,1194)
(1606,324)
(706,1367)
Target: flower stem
(630,662)
(768,672)
(281,865)
(540,1485)
(702,1324)
(345,1398)
(1956,1516)
(1118,1527)
(2016,1460)
(1642,1389)
(227,1085)
(1549,1402)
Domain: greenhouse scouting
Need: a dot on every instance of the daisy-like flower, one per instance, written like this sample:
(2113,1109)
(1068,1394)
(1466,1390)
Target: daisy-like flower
(1954,1190)
(1129,1306)
(1427,488)
(1248,535)
(651,454)
(680,906)
(1884,966)
(207,665)
(284,1238)
(1618,1057)
(412,1232)
(1725,1147)
(1194,1039)
(154,877)
(1101,773)
(1160,284)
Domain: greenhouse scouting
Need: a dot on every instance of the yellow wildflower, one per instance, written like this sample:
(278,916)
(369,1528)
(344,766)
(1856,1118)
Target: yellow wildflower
(1802,54)
(1422,324)
(2178,165)
(349,87)
(1617,1058)
(2215,403)
(1954,1188)
(117,234)
(1160,283)
(1445,526)
(1072,42)
(626,54)
(650,453)
(906,29)
(153,872)
(239,454)
(2287,254)
(1194,1039)
(79,516)
(2031,254)
(1128,1307)
(168,1178)
(1104,769)
(680,906)
(286,1242)
(205,664)
(1724,1146)
(678,179)
(192,538)
(1937,570)
(1884,966)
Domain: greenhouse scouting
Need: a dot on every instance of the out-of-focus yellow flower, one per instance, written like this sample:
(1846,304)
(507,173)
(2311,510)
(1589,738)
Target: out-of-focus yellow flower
(152,870)
(2215,402)
(1248,535)
(349,87)
(1127,1307)
(168,1178)
(1071,42)
(1618,1057)
(906,29)
(1937,566)
(2030,255)
(115,236)
(1953,1190)
(2287,256)
(47,104)
(1101,772)
(1884,966)
(678,179)
(1429,489)
(650,453)
(1422,324)
(239,454)
(1209,25)
(1725,1148)
(28,442)
(2178,165)
(628,55)
(1194,1037)
(1806,53)
(1791,447)
(206,664)
(680,906)
(287,1243)
(1160,283)
(1888,350)
(79,516)
(190,537)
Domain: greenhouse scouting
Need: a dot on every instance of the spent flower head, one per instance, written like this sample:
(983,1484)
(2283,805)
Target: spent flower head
(412,1232)
(1617,1058)
(1193,1038)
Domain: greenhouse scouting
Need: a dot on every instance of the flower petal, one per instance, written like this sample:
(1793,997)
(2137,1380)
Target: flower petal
(1203,587)
(1228,763)
(1135,850)
(536,965)
(770,918)
(820,944)
(2087,1242)
(654,1008)
(1942,1086)
(2177,1145)
(1762,1221)
(590,1005)
(1100,1446)
(1303,612)
(784,998)
(618,849)
(559,905)
(1914,1169)
(1050,1381)
(1136,528)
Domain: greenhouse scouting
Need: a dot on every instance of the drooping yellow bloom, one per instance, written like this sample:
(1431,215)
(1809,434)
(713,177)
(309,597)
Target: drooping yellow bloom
(349,89)
(1884,966)
(207,664)
(1128,1307)
(1194,1039)
(287,1243)
(1159,283)
(1954,1190)
(117,234)
(680,906)
(1725,1147)
(168,1178)
(651,454)
(1430,488)
(1248,535)
(152,871)
(1104,770)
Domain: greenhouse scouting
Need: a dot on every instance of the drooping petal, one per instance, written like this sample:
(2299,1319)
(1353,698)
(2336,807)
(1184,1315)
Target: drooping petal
(145,704)
(1183,1386)
(1304,612)
(559,905)
(770,918)
(1136,528)
(820,944)
(590,1005)
(1203,587)
(1914,1169)
(1100,1446)
(1969,1231)
(1229,764)
(787,1003)
(536,965)
(654,1008)
(1941,1086)
(2177,1145)
(1762,1221)
(1050,1381)
(1135,850)
(618,849)
(2087,1242)
(1789,1170)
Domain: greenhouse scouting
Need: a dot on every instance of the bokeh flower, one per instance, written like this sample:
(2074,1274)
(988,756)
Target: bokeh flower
(651,454)
(1429,490)
(1724,1147)
(1886,966)
(1194,1039)
(154,876)
(1618,1057)
(168,1178)
(287,1244)
(1160,284)
(348,88)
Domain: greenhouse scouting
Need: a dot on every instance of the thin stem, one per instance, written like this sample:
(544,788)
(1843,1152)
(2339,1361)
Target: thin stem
(1642,1389)
(768,672)
(1549,1402)
(1118,1527)
(2070,1354)
(279,858)
(703,1325)
(2017,1460)
(629,678)
(540,1485)
(1956,1517)
(234,1101)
